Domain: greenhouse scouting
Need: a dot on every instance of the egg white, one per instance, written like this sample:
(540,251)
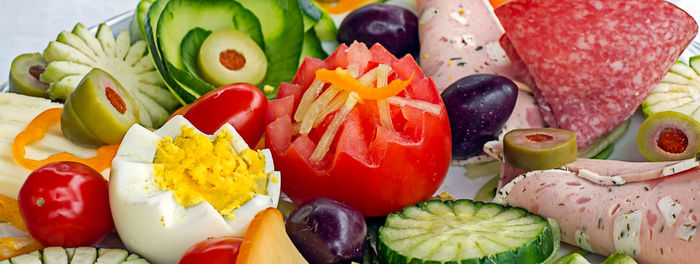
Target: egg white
(148,219)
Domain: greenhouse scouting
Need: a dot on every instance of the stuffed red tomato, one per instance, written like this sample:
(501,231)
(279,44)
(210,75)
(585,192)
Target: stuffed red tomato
(361,126)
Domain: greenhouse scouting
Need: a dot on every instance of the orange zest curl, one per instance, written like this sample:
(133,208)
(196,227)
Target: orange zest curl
(35,131)
(345,81)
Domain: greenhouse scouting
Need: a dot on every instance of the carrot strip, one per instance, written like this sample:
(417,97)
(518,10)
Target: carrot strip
(347,82)
(342,6)
(35,131)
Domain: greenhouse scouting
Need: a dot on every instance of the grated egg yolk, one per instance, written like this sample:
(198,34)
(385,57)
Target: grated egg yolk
(198,169)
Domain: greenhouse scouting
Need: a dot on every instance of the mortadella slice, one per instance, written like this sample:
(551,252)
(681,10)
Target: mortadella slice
(593,62)
(653,220)
(460,38)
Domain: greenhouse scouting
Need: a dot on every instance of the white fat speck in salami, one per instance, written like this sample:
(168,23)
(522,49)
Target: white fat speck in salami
(582,241)
(626,229)
(601,58)
(670,210)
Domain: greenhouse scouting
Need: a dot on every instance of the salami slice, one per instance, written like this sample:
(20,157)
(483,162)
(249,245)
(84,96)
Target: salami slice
(654,220)
(594,62)
(460,38)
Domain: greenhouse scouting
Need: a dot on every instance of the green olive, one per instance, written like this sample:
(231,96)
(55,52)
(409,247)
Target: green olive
(668,136)
(539,148)
(99,111)
(229,56)
(24,75)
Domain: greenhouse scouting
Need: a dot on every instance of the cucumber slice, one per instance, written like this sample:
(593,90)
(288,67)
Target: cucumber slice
(464,231)
(572,258)
(84,255)
(87,255)
(26,259)
(678,91)
(619,258)
(55,255)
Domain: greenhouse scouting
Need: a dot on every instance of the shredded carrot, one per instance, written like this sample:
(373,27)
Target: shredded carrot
(9,212)
(342,6)
(15,246)
(347,82)
(36,130)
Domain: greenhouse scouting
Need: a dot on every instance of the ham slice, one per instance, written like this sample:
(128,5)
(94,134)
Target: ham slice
(653,220)
(593,62)
(460,38)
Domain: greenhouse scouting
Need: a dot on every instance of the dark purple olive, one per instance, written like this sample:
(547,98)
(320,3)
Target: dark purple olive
(395,27)
(328,231)
(478,106)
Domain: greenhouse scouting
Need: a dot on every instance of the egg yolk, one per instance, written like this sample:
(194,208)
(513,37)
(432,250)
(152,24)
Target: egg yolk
(198,169)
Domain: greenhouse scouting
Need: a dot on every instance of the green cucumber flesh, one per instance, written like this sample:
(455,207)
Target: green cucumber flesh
(572,258)
(619,258)
(464,231)
(189,49)
(678,91)
(180,16)
(311,47)
(87,255)
(694,63)
(283,30)
(140,16)
(151,27)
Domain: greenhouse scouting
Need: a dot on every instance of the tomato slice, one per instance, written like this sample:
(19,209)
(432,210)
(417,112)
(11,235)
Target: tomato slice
(377,168)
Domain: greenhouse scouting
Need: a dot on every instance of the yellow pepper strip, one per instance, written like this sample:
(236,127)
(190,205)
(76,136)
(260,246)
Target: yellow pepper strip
(347,82)
(9,212)
(15,246)
(37,128)
(342,6)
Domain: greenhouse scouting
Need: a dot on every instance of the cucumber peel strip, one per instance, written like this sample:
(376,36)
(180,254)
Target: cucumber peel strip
(604,142)
(189,49)
(556,240)
(487,192)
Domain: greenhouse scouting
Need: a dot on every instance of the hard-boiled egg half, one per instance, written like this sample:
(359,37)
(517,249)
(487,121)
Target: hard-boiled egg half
(176,186)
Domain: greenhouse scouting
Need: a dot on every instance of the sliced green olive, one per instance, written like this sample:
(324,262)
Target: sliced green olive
(24,75)
(668,135)
(539,148)
(229,56)
(100,106)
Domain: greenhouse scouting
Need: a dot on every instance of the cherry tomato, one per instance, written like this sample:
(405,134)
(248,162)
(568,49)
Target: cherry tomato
(240,104)
(377,170)
(66,204)
(218,250)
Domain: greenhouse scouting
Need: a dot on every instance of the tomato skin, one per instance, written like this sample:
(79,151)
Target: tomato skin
(66,204)
(240,104)
(376,170)
(218,250)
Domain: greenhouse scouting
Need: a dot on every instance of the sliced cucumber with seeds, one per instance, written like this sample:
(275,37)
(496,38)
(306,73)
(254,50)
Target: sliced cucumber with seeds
(464,231)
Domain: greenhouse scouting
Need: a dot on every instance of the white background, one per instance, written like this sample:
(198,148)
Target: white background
(27,26)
